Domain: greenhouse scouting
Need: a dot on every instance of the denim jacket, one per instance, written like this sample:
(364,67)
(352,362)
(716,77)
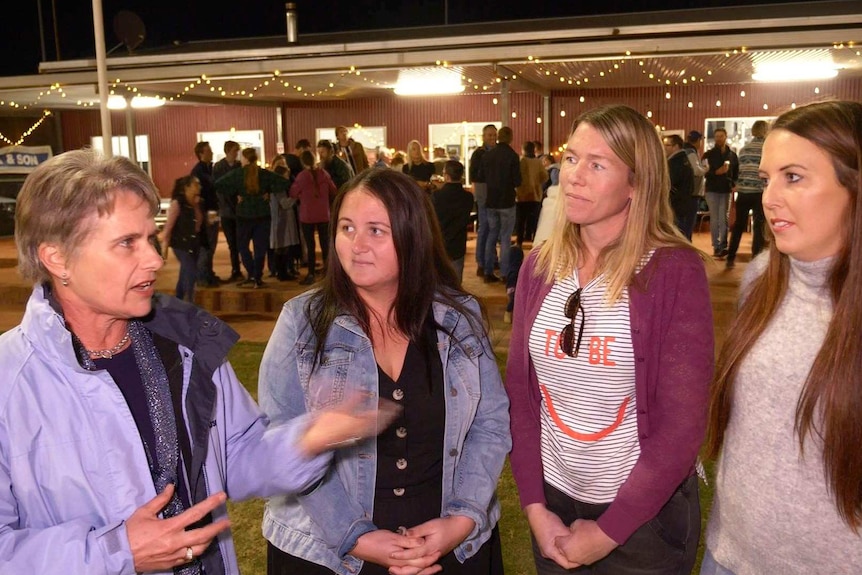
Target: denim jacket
(72,464)
(324,525)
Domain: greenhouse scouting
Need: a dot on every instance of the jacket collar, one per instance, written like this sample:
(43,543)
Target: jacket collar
(46,329)
(178,321)
(188,325)
(445,316)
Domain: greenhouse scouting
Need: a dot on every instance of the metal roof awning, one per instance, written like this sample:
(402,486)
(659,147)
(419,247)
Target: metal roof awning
(625,50)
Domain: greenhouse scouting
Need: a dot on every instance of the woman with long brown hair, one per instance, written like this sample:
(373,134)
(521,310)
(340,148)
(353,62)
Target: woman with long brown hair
(315,190)
(390,320)
(786,412)
(251,186)
(182,232)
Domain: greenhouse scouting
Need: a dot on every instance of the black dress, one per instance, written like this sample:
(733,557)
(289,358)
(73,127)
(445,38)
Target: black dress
(420,172)
(409,487)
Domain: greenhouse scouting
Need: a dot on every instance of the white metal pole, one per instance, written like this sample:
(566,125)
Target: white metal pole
(102,76)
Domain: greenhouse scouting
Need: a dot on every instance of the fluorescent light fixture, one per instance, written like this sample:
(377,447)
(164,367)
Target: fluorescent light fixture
(794,71)
(428,82)
(116,102)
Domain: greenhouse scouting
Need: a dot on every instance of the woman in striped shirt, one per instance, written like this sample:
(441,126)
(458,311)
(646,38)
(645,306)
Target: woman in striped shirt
(610,359)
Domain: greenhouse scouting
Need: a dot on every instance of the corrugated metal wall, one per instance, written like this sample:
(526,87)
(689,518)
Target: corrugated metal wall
(675,113)
(408,118)
(172,132)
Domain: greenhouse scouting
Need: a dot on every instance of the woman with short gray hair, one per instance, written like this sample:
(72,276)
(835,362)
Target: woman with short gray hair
(122,424)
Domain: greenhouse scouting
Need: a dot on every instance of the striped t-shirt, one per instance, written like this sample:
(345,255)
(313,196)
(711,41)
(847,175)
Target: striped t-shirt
(589,423)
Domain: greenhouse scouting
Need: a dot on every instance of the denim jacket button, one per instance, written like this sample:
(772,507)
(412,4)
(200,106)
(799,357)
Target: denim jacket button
(401,432)
(453,452)
(453,392)
(401,464)
(398,491)
(398,395)
(468,547)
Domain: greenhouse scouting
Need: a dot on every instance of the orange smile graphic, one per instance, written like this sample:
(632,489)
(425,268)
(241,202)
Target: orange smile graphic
(583,436)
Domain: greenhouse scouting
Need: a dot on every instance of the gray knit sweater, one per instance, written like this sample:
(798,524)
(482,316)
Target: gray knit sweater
(773,513)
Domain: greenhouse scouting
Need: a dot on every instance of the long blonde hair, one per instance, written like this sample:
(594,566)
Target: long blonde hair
(649,224)
(409,160)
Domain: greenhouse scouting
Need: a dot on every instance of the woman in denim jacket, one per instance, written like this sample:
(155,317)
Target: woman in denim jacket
(390,323)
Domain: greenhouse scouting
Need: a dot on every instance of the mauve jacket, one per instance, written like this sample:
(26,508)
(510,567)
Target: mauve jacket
(313,203)
(672,337)
(73,468)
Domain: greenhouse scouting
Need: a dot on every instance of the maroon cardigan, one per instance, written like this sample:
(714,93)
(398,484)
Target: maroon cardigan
(672,337)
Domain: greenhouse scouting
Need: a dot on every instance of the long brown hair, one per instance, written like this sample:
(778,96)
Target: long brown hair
(306,158)
(425,272)
(830,404)
(251,175)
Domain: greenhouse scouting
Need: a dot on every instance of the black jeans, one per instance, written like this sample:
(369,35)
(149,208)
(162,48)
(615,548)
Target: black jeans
(664,545)
(685,214)
(228,226)
(526,220)
(747,203)
(207,252)
(256,231)
(323,237)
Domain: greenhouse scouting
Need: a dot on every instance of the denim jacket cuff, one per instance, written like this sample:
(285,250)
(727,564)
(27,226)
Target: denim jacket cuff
(359,528)
(458,507)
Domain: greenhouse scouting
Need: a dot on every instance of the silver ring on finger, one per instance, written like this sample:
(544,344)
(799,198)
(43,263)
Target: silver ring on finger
(190,554)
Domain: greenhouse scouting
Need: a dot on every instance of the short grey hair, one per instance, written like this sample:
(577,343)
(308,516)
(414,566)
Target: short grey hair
(60,198)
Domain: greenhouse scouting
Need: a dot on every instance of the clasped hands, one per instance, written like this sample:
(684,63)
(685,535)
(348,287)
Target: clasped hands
(581,543)
(417,550)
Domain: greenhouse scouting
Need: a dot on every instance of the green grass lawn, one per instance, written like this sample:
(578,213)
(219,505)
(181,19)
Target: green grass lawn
(515,533)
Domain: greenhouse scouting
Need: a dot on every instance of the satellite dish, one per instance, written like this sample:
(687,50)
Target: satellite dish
(129,29)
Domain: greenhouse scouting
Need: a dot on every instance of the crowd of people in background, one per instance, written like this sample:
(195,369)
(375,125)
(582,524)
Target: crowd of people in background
(269,223)
(508,189)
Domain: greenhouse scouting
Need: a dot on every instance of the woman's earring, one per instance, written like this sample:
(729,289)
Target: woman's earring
(64,279)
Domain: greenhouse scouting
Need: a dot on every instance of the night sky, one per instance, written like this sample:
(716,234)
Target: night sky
(170,21)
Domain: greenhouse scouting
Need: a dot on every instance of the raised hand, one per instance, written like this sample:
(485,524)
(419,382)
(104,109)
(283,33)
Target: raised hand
(346,424)
(162,544)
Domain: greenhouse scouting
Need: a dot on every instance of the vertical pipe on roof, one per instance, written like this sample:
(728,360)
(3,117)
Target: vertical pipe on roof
(291,17)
